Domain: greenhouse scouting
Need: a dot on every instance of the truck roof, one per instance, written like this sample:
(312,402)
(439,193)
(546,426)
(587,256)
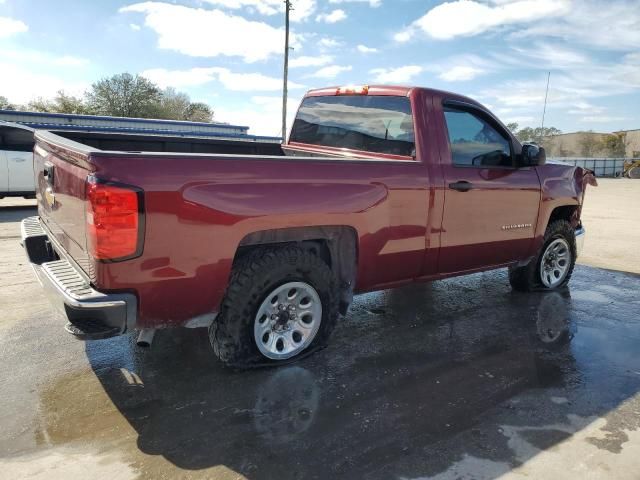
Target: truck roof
(385,90)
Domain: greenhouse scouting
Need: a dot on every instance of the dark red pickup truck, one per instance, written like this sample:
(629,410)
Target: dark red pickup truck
(266,244)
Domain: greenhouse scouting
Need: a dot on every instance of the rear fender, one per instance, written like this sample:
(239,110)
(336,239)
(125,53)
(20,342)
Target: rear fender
(341,243)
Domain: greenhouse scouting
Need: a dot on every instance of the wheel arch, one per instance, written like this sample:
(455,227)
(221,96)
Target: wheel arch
(570,213)
(337,245)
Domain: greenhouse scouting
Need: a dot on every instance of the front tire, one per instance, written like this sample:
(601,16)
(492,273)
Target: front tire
(553,266)
(280,302)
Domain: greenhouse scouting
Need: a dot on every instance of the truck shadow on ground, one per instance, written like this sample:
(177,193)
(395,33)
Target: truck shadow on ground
(415,381)
(12,213)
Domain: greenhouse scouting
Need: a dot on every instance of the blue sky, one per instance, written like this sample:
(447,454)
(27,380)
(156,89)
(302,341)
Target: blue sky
(228,53)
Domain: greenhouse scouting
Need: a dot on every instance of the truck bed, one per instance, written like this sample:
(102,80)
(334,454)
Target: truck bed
(171,143)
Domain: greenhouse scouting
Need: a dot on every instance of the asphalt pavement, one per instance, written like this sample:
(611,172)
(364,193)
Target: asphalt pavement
(457,379)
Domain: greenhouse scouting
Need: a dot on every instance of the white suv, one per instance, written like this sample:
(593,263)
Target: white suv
(16,161)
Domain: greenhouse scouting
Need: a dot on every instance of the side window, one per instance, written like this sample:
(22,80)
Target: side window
(473,141)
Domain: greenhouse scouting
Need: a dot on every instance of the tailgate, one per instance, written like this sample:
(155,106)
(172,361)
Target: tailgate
(61,168)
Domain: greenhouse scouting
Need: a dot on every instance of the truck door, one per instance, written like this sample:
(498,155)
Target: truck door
(491,203)
(4,173)
(21,177)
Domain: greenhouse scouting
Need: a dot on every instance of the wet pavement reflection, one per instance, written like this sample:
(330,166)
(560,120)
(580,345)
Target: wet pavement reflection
(415,381)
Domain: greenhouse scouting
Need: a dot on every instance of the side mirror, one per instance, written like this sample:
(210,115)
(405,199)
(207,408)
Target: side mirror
(533,155)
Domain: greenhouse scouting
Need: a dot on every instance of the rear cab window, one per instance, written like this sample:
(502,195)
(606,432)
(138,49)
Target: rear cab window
(370,123)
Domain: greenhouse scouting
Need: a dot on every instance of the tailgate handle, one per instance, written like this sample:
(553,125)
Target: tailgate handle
(461,186)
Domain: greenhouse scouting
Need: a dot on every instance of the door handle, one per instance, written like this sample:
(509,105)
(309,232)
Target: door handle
(461,186)
(18,160)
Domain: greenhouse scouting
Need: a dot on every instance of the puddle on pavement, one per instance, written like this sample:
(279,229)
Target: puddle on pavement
(390,396)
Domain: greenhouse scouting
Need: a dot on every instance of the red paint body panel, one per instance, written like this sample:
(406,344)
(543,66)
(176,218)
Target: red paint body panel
(409,225)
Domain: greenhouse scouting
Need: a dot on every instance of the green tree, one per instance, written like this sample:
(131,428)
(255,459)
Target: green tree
(199,112)
(69,104)
(614,145)
(124,95)
(5,104)
(589,144)
(61,103)
(178,106)
(40,104)
(537,135)
(513,127)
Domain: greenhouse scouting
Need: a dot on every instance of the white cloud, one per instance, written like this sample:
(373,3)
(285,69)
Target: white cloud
(70,61)
(372,3)
(460,73)
(601,119)
(265,7)
(364,49)
(302,10)
(209,33)
(582,108)
(553,56)
(327,42)
(179,78)
(522,120)
(396,75)
(37,58)
(251,81)
(334,16)
(307,61)
(331,71)
(11,26)
(245,82)
(134,26)
(462,18)
(21,84)
(403,36)
(613,25)
(263,114)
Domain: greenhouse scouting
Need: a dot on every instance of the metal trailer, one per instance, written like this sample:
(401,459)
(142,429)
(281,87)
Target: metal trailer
(603,167)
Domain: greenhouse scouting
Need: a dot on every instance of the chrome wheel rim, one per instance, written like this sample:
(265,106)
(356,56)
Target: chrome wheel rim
(555,263)
(287,320)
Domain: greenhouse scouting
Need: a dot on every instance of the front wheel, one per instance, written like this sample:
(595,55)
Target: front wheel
(552,267)
(280,302)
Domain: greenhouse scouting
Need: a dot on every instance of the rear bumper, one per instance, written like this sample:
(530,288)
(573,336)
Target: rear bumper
(580,234)
(71,293)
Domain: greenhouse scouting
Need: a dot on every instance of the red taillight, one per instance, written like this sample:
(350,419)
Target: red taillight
(113,220)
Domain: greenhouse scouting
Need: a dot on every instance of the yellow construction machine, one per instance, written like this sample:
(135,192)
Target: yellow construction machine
(632,168)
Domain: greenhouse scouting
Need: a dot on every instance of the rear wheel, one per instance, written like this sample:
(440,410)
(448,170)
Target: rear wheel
(553,265)
(280,303)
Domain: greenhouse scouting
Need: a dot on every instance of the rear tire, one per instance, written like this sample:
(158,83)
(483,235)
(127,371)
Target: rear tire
(255,278)
(561,236)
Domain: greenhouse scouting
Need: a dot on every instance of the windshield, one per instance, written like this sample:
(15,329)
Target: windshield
(380,124)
